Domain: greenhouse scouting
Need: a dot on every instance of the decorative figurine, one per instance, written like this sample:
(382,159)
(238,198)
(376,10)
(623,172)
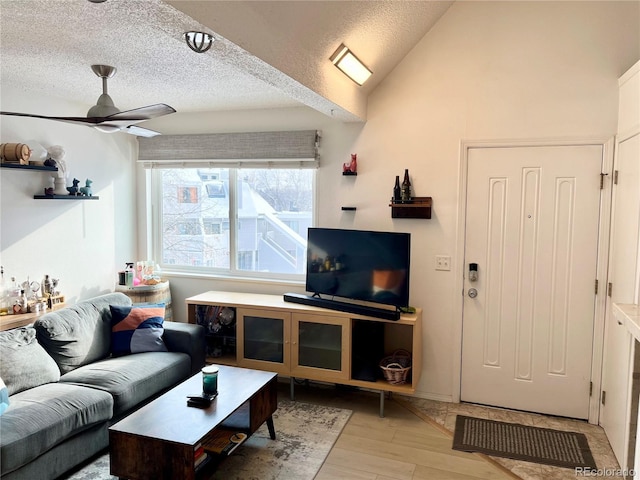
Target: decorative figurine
(55,158)
(50,162)
(74,190)
(49,190)
(352,166)
(86,190)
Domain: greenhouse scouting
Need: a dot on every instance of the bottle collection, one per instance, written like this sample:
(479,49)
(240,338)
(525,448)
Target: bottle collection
(26,297)
(402,192)
(138,274)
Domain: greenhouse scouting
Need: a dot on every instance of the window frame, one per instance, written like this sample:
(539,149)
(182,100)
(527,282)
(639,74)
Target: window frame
(154,230)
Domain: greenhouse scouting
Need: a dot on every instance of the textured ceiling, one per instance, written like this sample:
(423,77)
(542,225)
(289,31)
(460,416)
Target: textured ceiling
(266,54)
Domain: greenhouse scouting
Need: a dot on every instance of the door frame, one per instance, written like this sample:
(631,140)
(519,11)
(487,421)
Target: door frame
(607,145)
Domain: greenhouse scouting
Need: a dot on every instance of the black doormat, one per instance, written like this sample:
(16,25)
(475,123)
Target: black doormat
(521,442)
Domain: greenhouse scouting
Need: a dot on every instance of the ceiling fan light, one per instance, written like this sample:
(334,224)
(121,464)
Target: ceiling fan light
(107,128)
(350,65)
(199,42)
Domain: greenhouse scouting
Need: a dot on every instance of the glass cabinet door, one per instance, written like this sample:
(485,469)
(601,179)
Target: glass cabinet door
(263,339)
(320,343)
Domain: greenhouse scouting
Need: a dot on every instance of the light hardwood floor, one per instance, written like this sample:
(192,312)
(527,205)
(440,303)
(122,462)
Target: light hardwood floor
(399,446)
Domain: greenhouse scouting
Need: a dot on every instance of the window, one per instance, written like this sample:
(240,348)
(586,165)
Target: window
(236,204)
(215,189)
(212,226)
(187,227)
(256,216)
(187,194)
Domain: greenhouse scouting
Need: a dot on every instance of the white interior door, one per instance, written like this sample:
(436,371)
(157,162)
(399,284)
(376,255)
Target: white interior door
(623,274)
(532,217)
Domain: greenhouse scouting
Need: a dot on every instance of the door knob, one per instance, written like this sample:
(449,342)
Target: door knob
(473,293)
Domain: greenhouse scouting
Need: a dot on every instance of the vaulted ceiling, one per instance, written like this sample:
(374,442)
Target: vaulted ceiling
(266,53)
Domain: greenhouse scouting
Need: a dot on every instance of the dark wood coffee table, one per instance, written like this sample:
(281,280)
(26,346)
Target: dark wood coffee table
(158,441)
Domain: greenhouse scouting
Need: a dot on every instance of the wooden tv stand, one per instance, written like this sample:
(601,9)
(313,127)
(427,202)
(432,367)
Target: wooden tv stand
(308,342)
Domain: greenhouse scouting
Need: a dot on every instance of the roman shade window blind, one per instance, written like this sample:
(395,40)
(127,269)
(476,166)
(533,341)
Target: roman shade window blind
(289,149)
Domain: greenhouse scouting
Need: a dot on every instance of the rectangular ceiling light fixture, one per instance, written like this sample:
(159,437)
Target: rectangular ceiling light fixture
(345,60)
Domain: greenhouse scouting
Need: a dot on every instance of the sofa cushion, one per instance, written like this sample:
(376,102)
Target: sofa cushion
(44,416)
(23,362)
(81,334)
(137,329)
(134,378)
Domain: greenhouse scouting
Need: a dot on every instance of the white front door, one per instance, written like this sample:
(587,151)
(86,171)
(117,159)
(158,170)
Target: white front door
(532,216)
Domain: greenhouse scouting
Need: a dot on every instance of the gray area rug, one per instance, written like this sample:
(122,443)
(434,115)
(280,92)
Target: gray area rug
(522,442)
(305,434)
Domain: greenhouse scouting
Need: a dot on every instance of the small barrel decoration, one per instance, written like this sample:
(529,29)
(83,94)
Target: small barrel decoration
(15,153)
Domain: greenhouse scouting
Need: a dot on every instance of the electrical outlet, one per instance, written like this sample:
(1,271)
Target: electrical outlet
(443,262)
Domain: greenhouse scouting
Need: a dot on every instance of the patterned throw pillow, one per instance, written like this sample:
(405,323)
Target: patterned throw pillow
(137,329)
(4,397)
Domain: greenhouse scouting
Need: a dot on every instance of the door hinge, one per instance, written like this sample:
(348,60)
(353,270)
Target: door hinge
(615,177)
(604,397)
(590,388)
(596,286)
(609,288)
(602,175)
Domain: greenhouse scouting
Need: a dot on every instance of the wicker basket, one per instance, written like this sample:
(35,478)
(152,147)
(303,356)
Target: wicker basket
(396,367)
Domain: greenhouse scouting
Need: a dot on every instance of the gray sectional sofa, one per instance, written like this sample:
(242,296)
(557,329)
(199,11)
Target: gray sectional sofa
(66,389)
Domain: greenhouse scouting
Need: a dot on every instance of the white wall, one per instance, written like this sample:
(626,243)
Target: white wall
(78,242)
(503,70)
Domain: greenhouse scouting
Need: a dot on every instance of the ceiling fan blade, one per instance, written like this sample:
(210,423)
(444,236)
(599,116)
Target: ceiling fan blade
(142,113)
(140,132)
(126,126)
(81,120)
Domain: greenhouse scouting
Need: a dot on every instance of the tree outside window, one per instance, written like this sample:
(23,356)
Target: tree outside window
(267,230)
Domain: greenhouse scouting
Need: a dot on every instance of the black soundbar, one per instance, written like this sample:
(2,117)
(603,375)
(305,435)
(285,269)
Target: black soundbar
(342,306)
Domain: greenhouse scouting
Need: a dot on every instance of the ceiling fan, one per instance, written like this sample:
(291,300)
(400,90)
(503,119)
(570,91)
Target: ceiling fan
(106,117)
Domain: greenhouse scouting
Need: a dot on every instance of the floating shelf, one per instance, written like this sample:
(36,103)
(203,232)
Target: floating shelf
(417,207)
(29,167)
(349,209)
(65,197)
(349,173)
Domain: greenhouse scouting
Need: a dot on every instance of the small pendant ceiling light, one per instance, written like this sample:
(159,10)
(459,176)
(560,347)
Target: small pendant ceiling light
(199,42)
(345,60)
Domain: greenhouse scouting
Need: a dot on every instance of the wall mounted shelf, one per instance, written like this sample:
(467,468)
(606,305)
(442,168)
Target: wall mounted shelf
(417,207)
(349,209)
(349,173)
(64,197)
(29,167)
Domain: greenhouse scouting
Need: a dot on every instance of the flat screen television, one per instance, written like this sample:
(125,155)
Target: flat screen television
(359,265)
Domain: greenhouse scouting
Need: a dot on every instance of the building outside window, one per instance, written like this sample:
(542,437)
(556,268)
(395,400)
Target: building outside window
(187,194)
(234,221)
(232,204)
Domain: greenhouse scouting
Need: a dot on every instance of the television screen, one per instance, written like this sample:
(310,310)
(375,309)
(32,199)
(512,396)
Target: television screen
(359,265)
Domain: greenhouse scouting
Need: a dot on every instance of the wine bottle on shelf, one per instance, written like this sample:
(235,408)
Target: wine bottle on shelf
(406,187)
(397,191)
